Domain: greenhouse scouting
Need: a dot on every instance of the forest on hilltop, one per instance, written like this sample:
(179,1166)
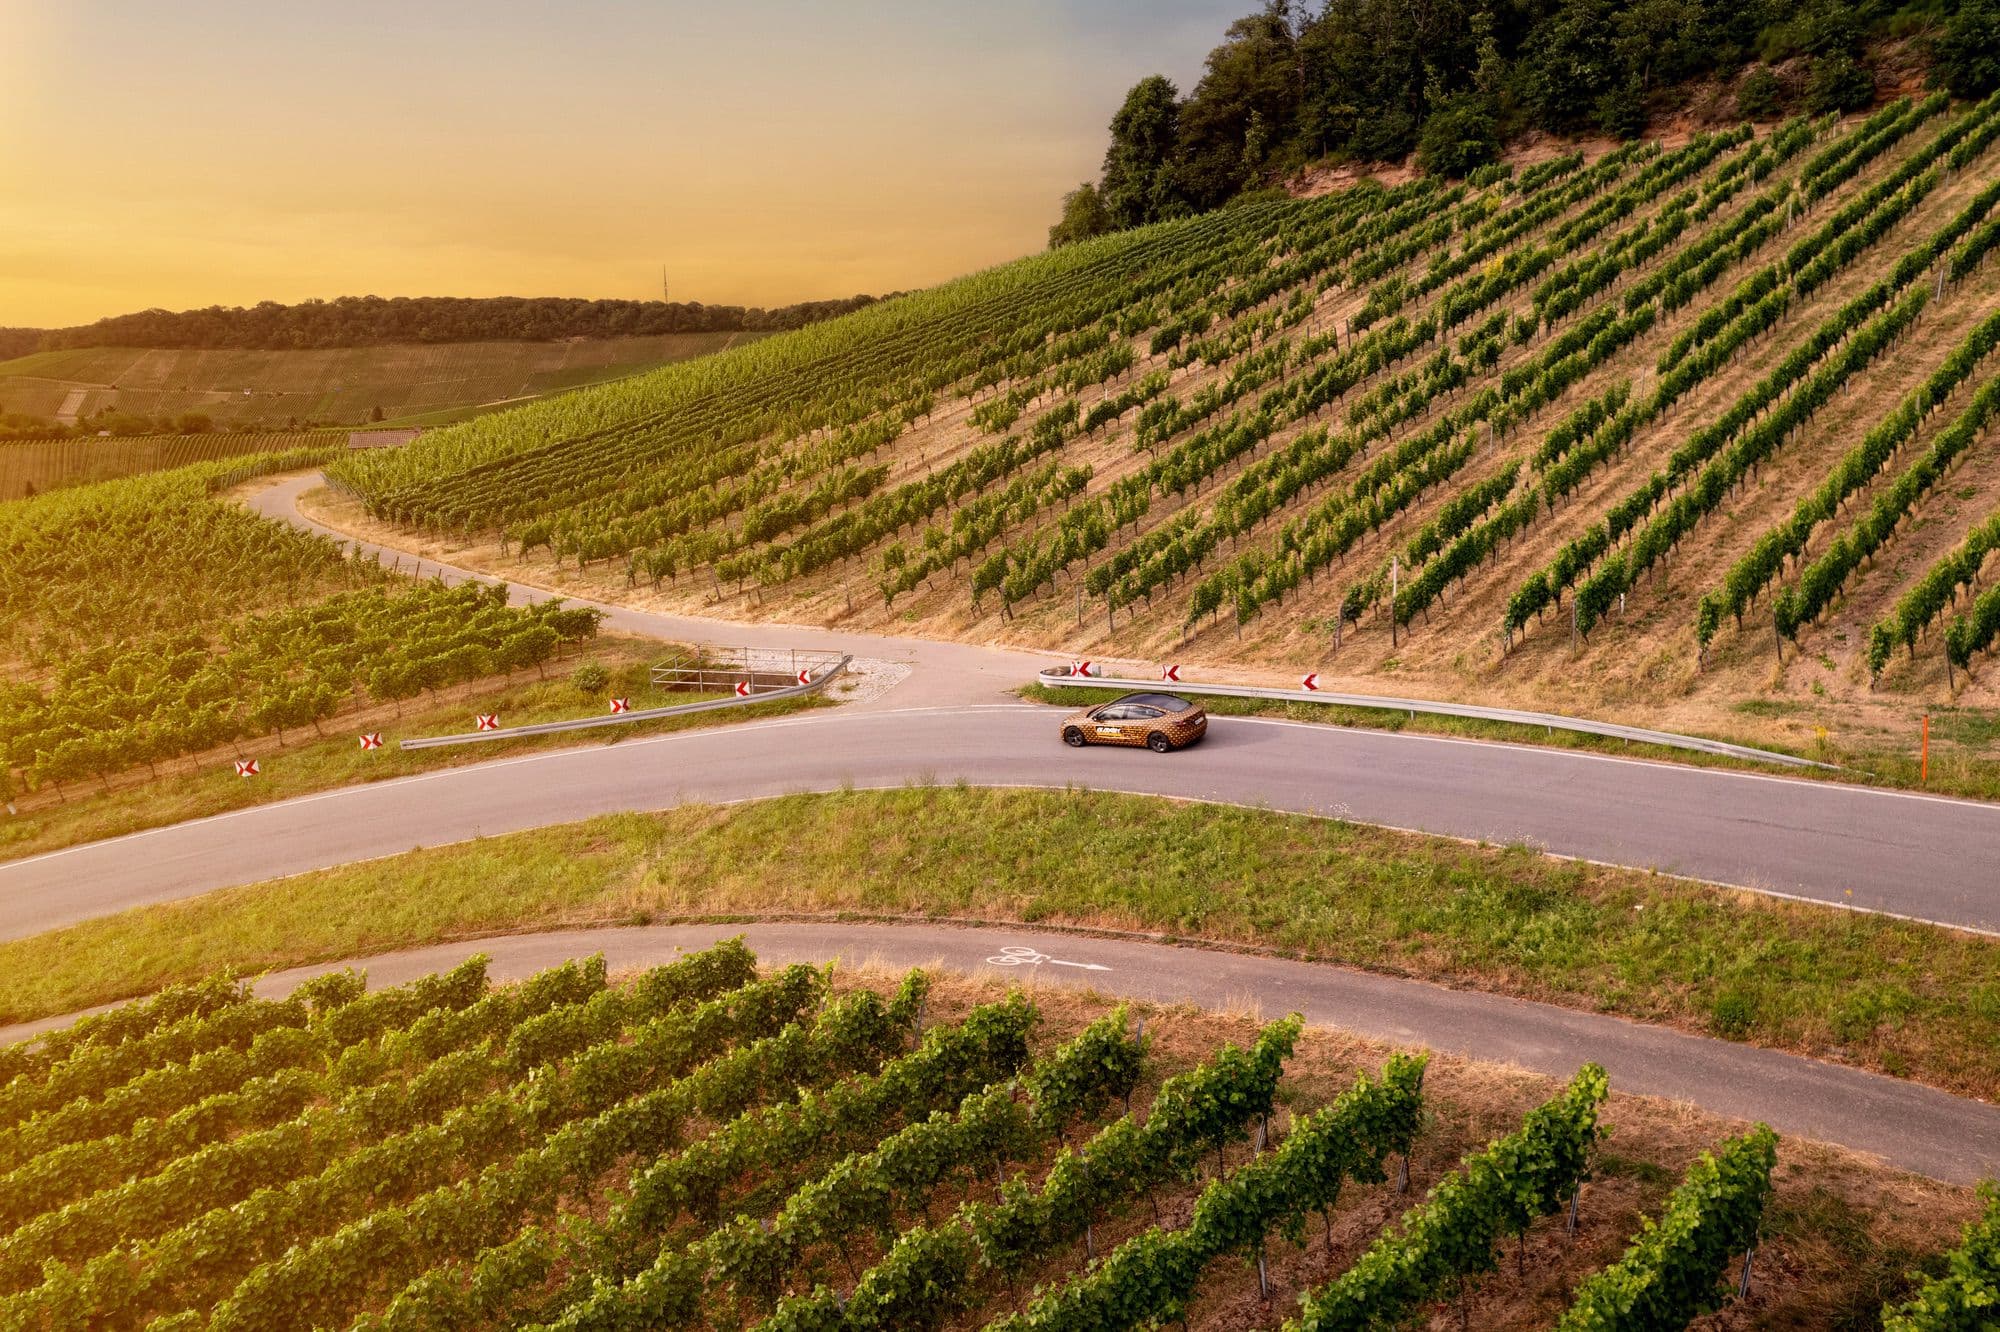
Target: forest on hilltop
(1450,82)
(365,321)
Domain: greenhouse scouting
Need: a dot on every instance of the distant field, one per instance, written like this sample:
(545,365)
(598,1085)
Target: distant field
(333,386)
(36,465)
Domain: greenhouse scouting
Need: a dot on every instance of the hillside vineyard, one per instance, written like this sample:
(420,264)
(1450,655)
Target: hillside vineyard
(1656,404)
(162,622)
(712,1145)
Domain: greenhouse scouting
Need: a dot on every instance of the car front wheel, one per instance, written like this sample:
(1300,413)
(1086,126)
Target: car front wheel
(1073,737)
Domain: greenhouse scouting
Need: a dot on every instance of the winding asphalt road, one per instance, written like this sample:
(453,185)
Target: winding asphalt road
(1909,1126)
(1937,859)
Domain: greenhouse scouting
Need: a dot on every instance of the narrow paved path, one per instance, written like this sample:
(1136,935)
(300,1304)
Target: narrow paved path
(1910,854)
(1909,1126)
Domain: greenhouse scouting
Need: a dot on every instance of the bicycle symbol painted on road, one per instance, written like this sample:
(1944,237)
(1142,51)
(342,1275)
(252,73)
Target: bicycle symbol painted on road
(1022,956)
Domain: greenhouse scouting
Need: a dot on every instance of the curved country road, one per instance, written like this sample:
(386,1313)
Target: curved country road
(1909,854)
(1909,1126)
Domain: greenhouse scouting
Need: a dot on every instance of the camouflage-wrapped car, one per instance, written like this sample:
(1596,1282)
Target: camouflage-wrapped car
(1160,722)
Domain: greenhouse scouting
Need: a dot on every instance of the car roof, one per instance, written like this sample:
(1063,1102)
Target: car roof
(1171,702)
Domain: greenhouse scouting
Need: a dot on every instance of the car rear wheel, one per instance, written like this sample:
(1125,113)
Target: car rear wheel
(1158,742)
(1073,737)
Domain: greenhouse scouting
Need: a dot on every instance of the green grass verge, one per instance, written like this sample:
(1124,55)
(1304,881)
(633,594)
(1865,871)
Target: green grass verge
(1903,998)
(332,757)
(1956,771)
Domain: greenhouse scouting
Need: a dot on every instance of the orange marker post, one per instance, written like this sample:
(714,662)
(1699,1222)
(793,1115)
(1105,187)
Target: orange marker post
(1924,766)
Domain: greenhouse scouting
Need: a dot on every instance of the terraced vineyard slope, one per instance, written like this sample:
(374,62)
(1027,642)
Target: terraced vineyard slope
(1572,435)
(148,618)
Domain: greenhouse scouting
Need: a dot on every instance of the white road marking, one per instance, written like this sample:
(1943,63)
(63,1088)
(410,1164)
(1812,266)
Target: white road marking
(1034,957)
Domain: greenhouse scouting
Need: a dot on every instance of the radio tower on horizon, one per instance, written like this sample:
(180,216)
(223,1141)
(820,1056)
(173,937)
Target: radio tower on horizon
(663,282)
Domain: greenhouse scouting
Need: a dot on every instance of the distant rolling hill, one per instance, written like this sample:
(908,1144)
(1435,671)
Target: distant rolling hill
(431,383)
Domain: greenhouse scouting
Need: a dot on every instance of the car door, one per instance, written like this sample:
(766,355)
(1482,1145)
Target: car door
(1141,724)
(1108,724)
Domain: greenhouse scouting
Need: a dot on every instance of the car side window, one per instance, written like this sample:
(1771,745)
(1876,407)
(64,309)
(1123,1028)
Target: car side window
(1145,714)
(1116,713)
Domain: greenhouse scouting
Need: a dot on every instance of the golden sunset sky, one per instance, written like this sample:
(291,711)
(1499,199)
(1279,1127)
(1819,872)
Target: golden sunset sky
(224,153)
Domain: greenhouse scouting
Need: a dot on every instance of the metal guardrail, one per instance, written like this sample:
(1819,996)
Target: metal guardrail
(816,683)
(1061,677)
(710,667)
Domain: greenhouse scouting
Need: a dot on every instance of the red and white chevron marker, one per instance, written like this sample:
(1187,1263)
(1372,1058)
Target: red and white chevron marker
(487,721)
(371,739)
(620,705)
(805,675)
(742,689)
(247,768)
(1311,683)
(1080,669)
(1171,673)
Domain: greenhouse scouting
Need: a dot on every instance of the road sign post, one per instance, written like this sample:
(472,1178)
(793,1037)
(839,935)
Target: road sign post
(1395,581)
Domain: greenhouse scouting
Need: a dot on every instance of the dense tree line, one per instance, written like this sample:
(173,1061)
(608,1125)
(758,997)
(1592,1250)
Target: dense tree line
(1449,81)
(361,321)
(109,421)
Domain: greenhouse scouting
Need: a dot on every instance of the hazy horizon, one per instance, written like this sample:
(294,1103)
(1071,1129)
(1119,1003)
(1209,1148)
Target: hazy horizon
(216,154)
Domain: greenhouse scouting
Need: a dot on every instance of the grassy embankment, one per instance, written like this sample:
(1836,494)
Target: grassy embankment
(331,756)
(1907,999)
